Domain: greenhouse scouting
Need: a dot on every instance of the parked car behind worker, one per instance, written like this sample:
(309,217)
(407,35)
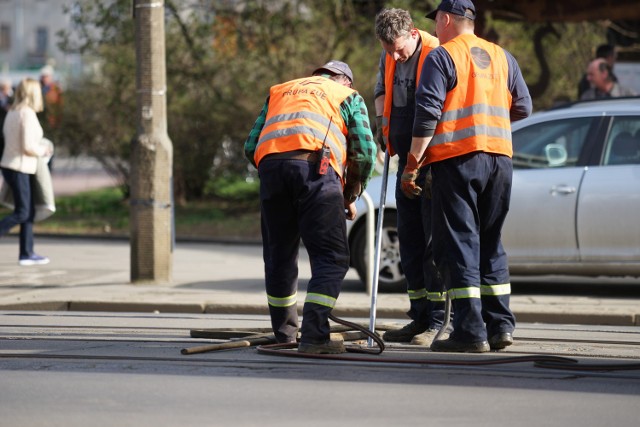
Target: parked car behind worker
(574,202)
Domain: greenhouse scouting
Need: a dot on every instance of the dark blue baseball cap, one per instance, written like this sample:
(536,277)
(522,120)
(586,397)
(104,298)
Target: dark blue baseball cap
(457,7)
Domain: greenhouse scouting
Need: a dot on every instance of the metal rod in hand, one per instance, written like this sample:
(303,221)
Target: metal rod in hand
(376,259)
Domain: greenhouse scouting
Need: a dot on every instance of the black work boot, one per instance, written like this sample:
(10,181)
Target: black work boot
(452,345)
(404,334)
(500,340)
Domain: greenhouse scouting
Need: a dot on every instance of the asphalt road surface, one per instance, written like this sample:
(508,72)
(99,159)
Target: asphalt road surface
(102,369)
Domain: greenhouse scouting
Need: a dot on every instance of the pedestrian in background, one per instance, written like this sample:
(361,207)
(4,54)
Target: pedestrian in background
(404,49)
(23,146)
(608,53)
(6,94)
(604,84)
(469,93)
(314,151)
(6,98)
(52,97)
(51,115)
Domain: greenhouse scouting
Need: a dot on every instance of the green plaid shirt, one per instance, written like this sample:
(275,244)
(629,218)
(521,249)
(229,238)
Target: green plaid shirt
(361,149)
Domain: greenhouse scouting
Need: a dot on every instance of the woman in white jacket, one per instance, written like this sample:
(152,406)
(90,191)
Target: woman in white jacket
(23,145)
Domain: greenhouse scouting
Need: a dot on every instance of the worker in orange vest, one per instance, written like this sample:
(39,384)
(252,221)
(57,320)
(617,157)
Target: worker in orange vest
(404,49)
(464,108)
(314,151)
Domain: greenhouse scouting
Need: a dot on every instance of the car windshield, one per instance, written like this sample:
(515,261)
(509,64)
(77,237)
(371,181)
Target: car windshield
(555,143)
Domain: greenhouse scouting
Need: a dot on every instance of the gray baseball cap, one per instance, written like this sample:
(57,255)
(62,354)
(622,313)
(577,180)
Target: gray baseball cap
(336,67)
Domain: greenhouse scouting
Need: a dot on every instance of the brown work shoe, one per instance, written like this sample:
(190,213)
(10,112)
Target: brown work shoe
(426,338)
(404,334)
(452,345)
(328,347)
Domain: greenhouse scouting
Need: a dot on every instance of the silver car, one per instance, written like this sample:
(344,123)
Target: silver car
(575,201)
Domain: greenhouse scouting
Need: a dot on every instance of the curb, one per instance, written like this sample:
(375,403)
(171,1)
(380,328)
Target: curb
(580,318)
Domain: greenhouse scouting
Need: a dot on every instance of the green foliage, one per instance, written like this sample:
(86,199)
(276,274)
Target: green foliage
(221,59)
(103,202)
(566,52)
(92,212)
(233,188)
(106,212)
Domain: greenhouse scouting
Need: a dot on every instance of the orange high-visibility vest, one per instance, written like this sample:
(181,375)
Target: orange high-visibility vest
(301,114)
(429,43)
(475,115)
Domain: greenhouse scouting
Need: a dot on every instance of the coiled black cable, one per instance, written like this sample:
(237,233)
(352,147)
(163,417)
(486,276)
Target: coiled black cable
(539,361)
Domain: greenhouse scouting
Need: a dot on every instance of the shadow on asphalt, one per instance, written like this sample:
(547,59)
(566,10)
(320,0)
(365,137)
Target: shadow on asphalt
(572,285)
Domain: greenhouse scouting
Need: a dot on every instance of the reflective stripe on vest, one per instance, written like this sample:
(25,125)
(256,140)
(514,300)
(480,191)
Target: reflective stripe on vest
(301,114)
(321,299)
(464,293)
(316,133)
(283,302)
(475,115)
(496,290)
(429,43)
(478,129)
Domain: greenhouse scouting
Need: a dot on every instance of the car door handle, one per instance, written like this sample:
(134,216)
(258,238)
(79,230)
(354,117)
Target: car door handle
(562,189)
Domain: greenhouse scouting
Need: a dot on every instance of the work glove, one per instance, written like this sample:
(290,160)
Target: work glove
(409,176)
(379,137)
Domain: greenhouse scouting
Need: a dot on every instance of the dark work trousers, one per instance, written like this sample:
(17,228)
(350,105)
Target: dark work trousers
(297,202)
(414,234)
(23,211)
(416,255)
(471,196)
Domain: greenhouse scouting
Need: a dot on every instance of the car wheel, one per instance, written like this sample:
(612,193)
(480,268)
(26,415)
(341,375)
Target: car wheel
(391,277)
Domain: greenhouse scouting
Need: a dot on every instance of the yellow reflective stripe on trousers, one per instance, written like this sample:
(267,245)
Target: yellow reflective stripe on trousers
(321,299)
(420,293)
(436,296)
(282,302)
(462,293)
(495,290)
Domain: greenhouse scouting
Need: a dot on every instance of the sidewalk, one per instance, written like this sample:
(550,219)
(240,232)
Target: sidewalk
(93,275)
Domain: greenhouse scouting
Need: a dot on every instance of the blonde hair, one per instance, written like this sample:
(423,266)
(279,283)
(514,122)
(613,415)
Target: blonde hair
(28,94)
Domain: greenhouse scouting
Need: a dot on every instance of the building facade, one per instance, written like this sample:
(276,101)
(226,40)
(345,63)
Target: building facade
(28,38)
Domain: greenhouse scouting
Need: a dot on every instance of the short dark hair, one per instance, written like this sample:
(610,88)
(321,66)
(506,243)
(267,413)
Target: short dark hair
(605,51)
(604,66)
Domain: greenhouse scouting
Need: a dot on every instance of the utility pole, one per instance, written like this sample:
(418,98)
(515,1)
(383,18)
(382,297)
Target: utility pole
(151,207)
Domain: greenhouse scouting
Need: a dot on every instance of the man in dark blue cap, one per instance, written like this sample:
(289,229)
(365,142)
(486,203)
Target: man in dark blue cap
(457,7)
(464,107)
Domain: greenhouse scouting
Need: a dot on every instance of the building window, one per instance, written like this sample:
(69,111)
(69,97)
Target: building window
(42,40)
(5,37)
